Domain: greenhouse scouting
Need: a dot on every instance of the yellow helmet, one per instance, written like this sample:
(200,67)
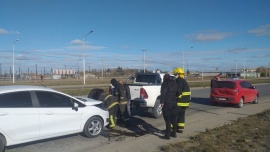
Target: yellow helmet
(178,71)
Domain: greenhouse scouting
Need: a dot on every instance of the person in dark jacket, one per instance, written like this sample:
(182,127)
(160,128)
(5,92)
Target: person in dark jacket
(120,93)
(169,92)
(127,92)
(214,81)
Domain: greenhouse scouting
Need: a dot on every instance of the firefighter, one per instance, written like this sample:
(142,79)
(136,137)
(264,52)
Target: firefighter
(110,102)
(120,93)
(183,99)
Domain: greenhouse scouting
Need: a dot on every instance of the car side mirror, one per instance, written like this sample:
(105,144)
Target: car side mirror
(75,106)
(252,87)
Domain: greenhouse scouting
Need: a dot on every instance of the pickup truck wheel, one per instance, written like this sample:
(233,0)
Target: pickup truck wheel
(157,110)
(2,143)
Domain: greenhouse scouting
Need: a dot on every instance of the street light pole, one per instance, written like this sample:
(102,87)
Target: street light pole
(235,69)
(183,61)
(83,57)
(13,60)
(143,61)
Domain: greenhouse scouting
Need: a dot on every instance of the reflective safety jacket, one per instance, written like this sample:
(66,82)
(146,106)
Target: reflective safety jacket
(185,95)
(108,100)
(120,92)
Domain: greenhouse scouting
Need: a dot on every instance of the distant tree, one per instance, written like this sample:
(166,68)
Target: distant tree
(188,72)
(261,70)
(119,71)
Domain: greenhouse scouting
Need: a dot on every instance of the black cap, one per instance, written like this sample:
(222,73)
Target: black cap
(113,81)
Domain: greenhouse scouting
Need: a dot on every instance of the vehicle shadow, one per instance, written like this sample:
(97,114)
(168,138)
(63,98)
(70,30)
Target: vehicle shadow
(41,141)
(198,100)
(135,127)
(206,101)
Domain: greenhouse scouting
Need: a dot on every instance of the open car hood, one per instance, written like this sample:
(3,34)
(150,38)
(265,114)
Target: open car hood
(88,101)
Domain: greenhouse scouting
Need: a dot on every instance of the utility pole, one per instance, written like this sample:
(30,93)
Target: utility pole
(102,70)
(183,62)
(83,57)
(244,69)
(13,59)
(143,61)
(36,74)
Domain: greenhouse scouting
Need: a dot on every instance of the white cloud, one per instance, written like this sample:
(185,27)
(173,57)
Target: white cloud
(76,42)
(78,45)
(261,30)
(3,31)
(86,47)
(208,36)
(14,32)
(23,57)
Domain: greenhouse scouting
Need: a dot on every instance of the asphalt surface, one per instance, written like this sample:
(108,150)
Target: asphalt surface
(144,133)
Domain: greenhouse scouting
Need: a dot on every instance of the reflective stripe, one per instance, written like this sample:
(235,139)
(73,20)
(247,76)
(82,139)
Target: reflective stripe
(112,121)
(113,104)
(182,104)
(108,96)
(181,124)
(123,103)
(184,94)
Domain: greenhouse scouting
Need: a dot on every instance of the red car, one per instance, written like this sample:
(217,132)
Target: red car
(236,92)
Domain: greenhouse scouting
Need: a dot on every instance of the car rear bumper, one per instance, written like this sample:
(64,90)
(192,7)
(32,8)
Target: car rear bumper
(138,104)
(220,99)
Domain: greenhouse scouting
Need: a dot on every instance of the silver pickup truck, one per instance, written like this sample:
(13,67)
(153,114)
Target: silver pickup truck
(145,92)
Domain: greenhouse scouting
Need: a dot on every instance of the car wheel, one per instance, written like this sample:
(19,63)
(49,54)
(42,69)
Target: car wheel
(157,110)
(2,143)
(93,127)
(241,103)
(256,100)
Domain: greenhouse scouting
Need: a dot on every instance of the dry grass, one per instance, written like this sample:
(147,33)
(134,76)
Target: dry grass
(244,135)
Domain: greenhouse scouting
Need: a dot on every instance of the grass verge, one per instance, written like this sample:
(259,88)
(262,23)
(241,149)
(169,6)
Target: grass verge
(247,134)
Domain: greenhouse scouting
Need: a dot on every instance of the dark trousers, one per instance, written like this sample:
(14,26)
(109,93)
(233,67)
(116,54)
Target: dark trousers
(181,118)
(124,115)
(112,112)
(170,117)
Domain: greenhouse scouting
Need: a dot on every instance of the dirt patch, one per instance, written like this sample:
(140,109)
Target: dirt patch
(246,134)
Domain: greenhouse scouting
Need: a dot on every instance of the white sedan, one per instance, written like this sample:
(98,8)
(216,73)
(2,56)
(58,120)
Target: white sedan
(30,113)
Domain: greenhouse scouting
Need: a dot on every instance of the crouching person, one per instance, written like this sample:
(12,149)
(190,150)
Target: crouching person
(110,102)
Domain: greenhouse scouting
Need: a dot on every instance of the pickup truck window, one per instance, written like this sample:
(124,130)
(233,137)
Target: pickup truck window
(147,78)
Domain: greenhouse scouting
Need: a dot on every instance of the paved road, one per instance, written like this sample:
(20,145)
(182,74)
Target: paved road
(144,133)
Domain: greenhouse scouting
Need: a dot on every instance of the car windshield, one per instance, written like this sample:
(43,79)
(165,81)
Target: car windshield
(225,84)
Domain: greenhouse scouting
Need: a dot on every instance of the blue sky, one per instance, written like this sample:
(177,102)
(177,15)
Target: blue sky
(206,35)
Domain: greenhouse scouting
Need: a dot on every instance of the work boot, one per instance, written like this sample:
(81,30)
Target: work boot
(180,131)
(167,136)
(173,134)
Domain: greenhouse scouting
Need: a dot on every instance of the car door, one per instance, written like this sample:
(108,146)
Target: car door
(19,120)
(251,91)
(57,115)
(245,91)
